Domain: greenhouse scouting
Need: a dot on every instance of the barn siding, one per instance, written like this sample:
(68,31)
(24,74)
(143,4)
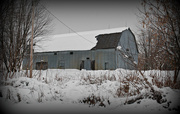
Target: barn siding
(127,41)
(73,60)
(103,56)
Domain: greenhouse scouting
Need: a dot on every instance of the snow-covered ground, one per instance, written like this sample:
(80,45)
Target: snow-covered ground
(75,91)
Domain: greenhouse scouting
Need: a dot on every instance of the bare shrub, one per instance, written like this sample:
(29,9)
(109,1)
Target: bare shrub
(130,85)
(40,96)
(95,100)
(58,78)
(19,97)
(92,79)
(165,81)
(8,95)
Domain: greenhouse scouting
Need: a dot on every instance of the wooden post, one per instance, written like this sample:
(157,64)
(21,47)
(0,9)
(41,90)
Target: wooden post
(31,54)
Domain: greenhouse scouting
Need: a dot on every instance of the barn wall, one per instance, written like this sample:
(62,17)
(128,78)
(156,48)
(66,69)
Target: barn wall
(73,59)
(128,47)
(36,58)
(101,56)
(121,61)
(104,59)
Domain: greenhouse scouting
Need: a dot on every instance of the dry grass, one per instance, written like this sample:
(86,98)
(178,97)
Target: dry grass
(165,81)
(130,85)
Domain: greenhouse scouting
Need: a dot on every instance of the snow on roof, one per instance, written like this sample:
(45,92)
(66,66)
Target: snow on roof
(72,41)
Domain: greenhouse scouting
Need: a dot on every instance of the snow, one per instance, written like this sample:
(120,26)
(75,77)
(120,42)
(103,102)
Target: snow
(126,56)
(63,91)
(72,41)
(119,48)
(135,62)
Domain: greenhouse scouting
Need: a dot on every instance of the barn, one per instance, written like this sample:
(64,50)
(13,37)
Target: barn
(114,48)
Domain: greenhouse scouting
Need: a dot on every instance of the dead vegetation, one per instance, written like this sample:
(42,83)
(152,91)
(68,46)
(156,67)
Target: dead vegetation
(165,81)
(95,100)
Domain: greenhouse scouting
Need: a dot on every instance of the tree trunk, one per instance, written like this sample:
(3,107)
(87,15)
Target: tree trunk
(176,72)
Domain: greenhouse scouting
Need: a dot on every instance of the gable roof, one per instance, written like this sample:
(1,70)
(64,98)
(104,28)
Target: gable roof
(107,41)
(72,41)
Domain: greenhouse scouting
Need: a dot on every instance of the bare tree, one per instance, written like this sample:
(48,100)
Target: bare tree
(16,22)
(162,19)
(144,45)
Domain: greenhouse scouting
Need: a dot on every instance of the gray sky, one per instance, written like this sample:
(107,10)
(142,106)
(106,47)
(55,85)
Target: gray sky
(86,15)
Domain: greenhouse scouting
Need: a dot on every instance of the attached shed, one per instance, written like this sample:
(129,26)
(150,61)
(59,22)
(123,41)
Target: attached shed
(103,56)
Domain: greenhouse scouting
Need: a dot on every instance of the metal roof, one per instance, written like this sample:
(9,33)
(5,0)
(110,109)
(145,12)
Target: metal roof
(107,41)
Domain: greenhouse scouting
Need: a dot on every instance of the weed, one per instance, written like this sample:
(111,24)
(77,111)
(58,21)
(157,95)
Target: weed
(165,81)
(19,97)
(95,100)
(58,78)
(40,96)
(8,95)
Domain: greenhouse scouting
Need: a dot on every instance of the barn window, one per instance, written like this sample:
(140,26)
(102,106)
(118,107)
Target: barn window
(71,53)
(55,53)
(87,58)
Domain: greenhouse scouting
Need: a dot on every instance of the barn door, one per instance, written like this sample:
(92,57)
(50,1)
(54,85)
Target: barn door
(93,65)
(106,65)
(61,62)
(87,64)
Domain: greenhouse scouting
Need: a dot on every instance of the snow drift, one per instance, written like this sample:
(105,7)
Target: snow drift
(76,91)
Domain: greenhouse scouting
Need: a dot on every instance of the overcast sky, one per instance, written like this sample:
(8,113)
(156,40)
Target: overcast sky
(87,15)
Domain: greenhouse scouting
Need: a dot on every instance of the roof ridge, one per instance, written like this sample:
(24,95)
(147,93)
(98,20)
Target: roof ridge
(93,31)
